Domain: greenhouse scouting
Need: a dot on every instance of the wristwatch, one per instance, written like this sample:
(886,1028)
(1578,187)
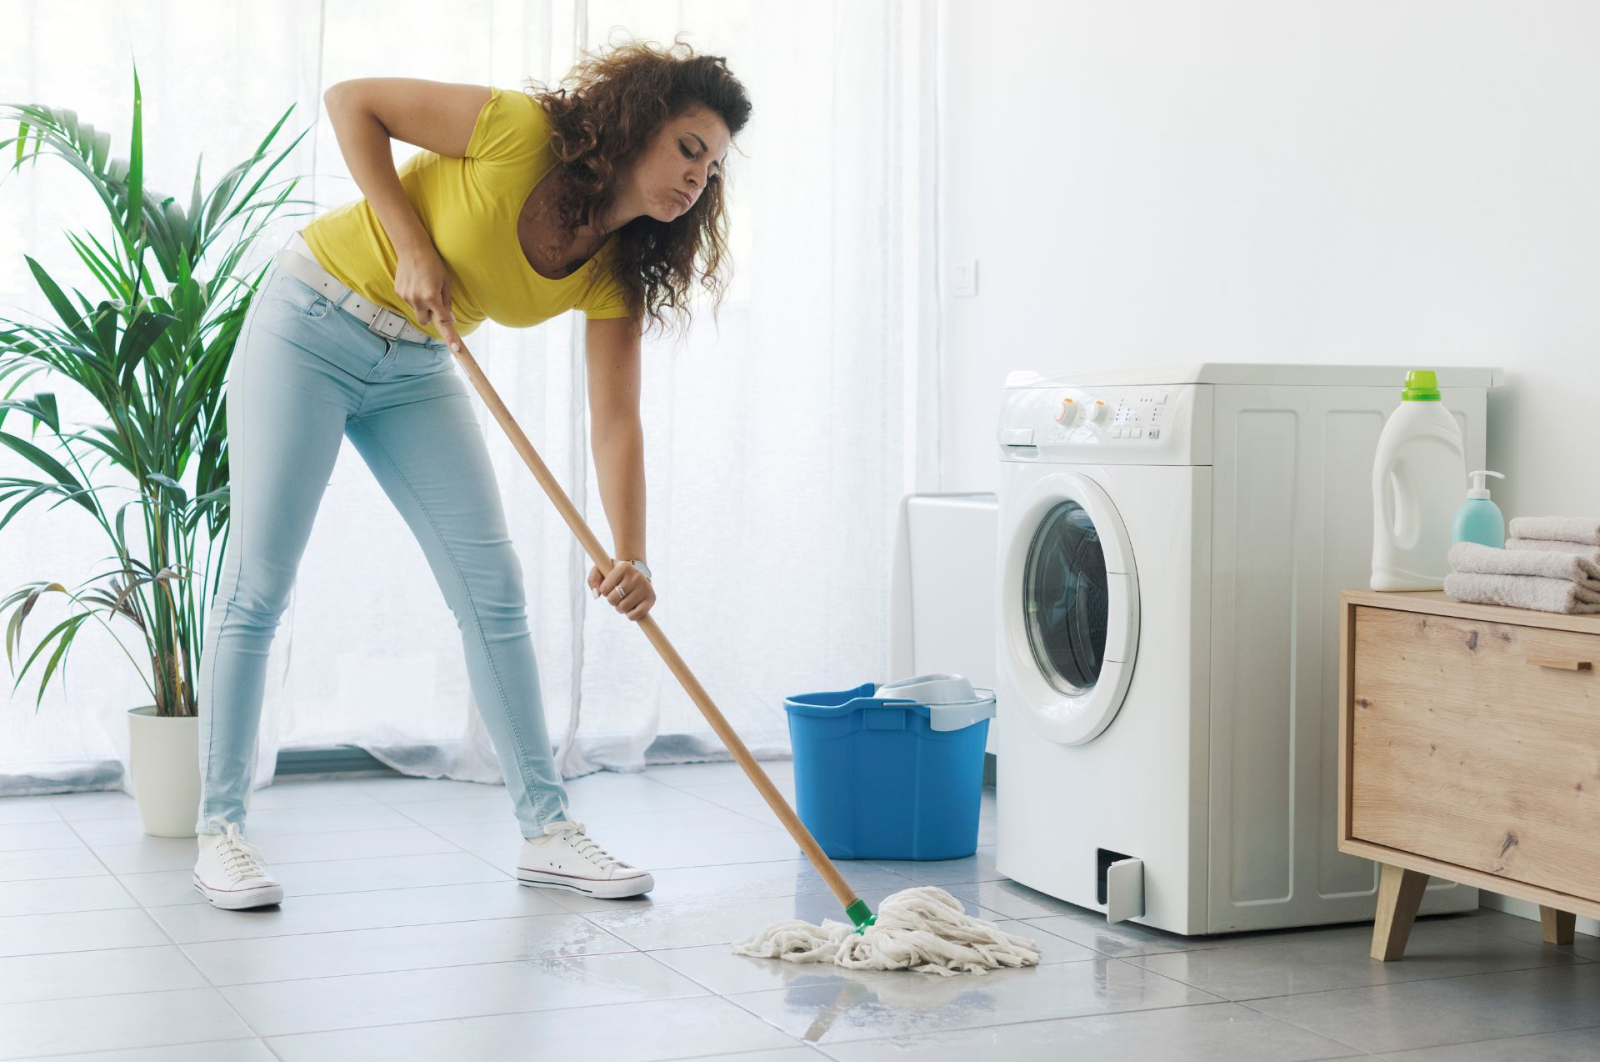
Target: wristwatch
(642,566)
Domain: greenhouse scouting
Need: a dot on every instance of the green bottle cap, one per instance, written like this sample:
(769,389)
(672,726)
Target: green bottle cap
(1422,385)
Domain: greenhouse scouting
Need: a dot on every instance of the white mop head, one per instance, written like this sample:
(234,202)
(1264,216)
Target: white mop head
(923,929)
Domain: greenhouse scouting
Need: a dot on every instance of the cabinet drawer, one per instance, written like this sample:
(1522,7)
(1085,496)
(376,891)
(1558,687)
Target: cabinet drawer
(1471,744)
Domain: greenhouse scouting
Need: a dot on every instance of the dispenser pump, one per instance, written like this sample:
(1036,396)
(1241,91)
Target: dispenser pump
(1480,483)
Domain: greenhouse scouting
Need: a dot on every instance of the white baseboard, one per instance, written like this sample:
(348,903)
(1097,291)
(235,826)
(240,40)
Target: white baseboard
(1524,909)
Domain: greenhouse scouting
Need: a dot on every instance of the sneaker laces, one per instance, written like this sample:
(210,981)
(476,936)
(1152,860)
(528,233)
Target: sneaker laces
(240,858)
(583,844)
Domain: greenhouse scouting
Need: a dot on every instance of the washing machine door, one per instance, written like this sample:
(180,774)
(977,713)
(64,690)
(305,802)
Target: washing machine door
(1070,608)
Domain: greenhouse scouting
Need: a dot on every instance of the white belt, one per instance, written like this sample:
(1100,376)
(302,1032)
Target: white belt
(296,258)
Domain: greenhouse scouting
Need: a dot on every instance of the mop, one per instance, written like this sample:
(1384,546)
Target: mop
(923,929)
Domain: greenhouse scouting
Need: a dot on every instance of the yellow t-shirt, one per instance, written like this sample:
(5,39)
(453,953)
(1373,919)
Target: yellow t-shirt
(470,207)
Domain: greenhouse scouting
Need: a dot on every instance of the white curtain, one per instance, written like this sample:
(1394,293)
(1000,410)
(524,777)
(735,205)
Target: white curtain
(778,439)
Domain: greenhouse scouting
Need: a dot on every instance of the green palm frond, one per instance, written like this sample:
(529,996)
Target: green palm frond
(152,350)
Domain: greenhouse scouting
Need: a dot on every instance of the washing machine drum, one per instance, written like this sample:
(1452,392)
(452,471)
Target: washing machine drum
(1070,608)
(1067,600)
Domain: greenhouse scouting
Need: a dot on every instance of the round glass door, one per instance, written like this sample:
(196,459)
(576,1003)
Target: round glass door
(1066,599)
(1069,607)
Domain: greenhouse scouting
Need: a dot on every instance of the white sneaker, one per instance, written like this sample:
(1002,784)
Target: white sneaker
(230,873)
(567,858)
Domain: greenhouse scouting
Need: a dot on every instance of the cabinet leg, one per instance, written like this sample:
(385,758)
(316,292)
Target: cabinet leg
(1558,925)
(1399,896)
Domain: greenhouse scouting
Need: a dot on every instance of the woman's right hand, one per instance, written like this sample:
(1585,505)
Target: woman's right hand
(422,280)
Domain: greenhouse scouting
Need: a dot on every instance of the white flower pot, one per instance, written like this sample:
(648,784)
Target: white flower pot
(164,760)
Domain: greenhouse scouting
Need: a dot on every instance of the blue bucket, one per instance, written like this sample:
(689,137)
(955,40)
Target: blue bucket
(893,771)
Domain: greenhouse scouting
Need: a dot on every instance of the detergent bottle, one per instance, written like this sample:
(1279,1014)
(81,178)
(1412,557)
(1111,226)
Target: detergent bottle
(1416,483)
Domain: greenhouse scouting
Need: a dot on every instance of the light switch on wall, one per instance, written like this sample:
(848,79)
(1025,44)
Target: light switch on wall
(966,278)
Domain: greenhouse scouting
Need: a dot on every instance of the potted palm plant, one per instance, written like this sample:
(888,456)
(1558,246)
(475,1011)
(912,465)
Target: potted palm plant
(151,350)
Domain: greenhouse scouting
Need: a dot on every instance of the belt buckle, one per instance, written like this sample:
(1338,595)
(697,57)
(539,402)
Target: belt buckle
(378,323)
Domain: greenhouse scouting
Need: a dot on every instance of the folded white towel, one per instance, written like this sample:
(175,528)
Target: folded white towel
(1472,557)
(1550,545)
(1521,591)
(1584,529)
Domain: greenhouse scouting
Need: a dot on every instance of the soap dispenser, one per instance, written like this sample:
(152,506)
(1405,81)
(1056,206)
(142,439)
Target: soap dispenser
(1479,519)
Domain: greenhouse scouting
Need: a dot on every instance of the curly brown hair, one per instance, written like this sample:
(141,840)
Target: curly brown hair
(602,117)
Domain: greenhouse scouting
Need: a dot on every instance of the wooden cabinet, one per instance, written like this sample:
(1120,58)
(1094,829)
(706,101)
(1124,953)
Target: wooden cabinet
(1469,749)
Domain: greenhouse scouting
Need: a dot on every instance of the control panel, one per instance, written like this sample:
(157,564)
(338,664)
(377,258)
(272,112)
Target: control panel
(1153,425)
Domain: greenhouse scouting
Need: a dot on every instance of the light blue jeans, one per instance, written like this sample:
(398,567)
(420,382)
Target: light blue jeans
(304,374)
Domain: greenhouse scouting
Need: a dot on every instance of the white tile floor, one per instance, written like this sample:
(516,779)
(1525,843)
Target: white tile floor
(403,935)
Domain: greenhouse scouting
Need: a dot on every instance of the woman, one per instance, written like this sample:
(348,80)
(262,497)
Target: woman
(604,195)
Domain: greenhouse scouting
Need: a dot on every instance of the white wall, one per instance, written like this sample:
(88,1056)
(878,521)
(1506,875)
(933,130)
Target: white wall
(1162,181)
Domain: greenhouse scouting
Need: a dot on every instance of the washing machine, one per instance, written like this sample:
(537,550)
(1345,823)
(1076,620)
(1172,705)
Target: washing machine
(1171,546)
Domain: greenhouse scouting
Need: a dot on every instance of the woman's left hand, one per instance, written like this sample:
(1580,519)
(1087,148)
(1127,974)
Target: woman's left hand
(637,594)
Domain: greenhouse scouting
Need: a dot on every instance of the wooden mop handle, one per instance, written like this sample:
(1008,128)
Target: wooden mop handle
(591,545)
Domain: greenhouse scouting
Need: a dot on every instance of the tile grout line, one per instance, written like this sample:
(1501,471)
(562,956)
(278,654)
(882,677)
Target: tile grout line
(368,929)
(1313,1032)
(174,944)
(1412,981)
(265,1038)
(554,896)
(1229,945)
(456,849)
(712,763)
(1008,1024)
(418,925)
(1109,1014)
(542,961)
(500,1014)
(302,862)
(1390,1050)
(430,826)
(539,961)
